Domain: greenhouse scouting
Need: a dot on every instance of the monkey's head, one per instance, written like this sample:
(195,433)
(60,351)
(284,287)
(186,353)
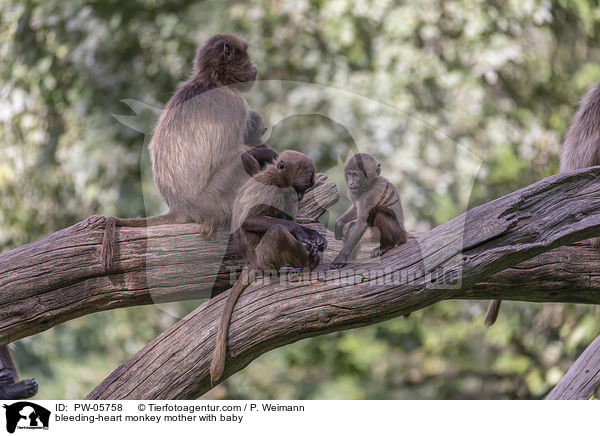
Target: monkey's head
(295,170)
(223,60)
(360,172)
(255,129)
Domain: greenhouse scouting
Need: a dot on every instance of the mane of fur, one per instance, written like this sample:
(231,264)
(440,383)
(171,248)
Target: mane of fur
(582,143)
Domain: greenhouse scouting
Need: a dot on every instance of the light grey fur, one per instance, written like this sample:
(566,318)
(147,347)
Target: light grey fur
(582,143)
(207,142)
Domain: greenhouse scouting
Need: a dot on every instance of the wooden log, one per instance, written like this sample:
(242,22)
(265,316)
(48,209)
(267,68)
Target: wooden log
(446,262)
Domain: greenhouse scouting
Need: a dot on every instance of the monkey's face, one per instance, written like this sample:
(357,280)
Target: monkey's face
(360,171)
(356,181)
(296,171)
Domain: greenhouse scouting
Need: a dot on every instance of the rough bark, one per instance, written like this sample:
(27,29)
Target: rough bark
(445,263)
(59,277)
(582,379)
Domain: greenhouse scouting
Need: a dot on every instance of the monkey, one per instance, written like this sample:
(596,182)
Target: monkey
(260,153)
(375,203)
(267,234)
(581,149)
(197,143)
(10,388)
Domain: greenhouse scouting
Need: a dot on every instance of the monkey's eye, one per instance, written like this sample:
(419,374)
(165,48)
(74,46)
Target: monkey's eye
(281,166)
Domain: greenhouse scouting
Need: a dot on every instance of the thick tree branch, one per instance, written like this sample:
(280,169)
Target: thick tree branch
(582,379)
(444,263)
(59,277)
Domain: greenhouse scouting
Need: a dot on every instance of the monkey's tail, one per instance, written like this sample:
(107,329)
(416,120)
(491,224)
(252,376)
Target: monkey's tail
(217,366)
(492,313)
(107,251)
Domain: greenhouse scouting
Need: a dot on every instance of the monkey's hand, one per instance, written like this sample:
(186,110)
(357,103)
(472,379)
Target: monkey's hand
(301,235)
(320,242)
(316,238)
(313,256)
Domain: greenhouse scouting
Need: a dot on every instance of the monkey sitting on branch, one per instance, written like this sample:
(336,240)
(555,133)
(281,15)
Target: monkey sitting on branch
(267,234)
(581,149)
(197,144)
(10,388)
(375,204)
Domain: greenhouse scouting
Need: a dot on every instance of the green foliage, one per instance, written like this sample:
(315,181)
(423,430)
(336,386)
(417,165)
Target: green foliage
(467,100)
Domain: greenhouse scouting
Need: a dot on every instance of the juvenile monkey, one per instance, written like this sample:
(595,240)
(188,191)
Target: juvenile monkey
(375,203)
(197,145)
(10,388)
(267,234)
(581,149)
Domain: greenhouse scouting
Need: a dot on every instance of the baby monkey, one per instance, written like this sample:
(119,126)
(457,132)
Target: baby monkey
(375,203)
(267,234)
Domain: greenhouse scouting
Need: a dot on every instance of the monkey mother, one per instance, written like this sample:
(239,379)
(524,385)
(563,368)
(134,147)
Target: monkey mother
(197,144)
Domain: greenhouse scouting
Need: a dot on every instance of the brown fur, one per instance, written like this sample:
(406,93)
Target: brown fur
(197,145)
(375,203)
(267,234)
(581,149)
(10,387)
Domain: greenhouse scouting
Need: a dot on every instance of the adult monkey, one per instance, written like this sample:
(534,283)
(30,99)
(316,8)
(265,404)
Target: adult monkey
(375,203)
(580,150)
(10,388)
(197,145)
(267,234)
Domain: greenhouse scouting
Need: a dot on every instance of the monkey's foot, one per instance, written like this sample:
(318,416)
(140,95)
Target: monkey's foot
(313,256)
(18,391)
(337,265)
(28,388)
(6,376)
(379,252)
(207,228)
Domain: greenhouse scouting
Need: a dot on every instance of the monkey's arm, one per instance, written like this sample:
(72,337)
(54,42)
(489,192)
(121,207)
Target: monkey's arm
(262,153)
(261,224)
(353,237)
(348,216)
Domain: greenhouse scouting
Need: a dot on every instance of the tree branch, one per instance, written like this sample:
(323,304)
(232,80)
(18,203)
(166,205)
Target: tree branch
(582,379)
(59,277)
(444,263)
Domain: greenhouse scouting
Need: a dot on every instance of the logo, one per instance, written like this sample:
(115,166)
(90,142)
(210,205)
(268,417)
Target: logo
(26,415)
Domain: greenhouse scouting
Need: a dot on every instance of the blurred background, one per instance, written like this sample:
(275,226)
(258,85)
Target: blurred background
(469,100)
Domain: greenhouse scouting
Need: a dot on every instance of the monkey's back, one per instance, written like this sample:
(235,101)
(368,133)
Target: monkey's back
(256,195)
(382,193)
(198,132)
(582,143)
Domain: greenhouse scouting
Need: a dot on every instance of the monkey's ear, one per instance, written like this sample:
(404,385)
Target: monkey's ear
(281,166)
(378,170)
(227,49)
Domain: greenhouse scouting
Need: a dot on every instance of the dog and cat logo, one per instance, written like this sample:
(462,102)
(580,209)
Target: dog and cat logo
(26,415)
